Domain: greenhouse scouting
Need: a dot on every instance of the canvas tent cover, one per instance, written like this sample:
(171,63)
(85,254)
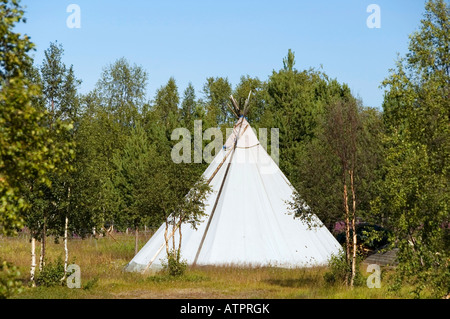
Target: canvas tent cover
(251,224)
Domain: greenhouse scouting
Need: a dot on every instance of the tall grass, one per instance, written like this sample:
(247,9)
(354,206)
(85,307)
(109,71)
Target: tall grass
(102,261)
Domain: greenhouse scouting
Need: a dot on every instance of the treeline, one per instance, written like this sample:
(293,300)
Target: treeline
(76,163)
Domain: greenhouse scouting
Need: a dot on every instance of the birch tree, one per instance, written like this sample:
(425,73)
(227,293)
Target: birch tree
(180,200)
(59,86)
(341,133)
(26,149)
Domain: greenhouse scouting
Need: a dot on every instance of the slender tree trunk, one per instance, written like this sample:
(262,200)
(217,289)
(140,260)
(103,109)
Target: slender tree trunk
(414,244)
(173,237)
(136,242)
(351,172)
(66,228)
(347,222)
(44,235)
(166,238)
(33,261)
(40,259)
(66,249)
(179,243)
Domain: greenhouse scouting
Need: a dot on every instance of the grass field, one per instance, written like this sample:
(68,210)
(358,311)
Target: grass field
(102,261)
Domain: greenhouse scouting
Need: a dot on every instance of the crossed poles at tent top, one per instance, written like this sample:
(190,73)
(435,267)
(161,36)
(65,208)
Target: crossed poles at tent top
(236,110)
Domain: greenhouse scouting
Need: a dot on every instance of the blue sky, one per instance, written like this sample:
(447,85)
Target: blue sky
(192,40)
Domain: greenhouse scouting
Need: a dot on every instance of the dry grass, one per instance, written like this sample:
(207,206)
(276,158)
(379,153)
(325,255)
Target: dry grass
(102,261)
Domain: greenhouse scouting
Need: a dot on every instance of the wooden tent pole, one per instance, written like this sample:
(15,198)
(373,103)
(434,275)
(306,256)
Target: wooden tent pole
(233,101)
(246,105)
(232,110)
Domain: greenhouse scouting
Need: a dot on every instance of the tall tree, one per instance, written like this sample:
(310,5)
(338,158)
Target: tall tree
(341,134)
(417,171)
(109,114)
(135,167)
(179,200)
(22,135)
(188,109)
(331,172)
(294,102)
(28,152)
(122,89)
(166,105)
(59,87)
(217,92)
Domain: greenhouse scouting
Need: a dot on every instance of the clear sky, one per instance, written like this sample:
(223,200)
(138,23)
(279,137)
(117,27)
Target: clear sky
(192,39)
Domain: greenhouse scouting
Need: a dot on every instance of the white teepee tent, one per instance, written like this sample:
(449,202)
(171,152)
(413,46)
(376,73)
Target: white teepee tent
(247,221)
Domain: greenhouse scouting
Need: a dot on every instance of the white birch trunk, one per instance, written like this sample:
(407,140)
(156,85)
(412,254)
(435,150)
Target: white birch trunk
(167,238)
(33,261)
(41,258)
(66,249)
(66,228)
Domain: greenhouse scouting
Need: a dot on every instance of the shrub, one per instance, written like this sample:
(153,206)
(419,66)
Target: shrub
(339,270)
(51,274)
(174,266)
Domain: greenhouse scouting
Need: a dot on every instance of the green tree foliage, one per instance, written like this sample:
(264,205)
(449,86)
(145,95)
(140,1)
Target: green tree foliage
(104,158)
(217,92)
(10,282)
(27,150)
(135,166)
(191,109)
(166,106)
(180,198)
(109,114)
(339,170)
(330,148)
(294,102)
(122,90)
(257,99)
(416,190)
(50,202)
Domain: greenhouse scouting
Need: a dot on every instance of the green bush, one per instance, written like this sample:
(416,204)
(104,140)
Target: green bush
(174,266)
(339,270)
(51,274)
